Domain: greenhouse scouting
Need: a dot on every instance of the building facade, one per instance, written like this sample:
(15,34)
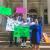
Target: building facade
(34,7)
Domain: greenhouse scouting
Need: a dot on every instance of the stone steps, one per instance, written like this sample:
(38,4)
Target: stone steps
(46,28)
(4,37)
(15,48)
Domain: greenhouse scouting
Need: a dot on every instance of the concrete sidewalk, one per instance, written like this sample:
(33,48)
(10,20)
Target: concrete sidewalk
(6,47)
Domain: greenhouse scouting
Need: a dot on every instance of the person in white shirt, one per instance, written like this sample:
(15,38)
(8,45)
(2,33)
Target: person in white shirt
(16,24)
(9,25)
(28,19)
(24,38)
(10,29)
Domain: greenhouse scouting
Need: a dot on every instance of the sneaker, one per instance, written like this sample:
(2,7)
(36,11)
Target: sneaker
(21,44)
(24,44)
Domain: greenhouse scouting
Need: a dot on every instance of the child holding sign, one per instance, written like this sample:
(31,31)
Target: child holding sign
(10,29)
(25,33)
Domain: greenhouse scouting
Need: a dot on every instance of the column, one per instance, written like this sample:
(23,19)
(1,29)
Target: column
(25,5)
(48,2)
(41,8)
(1,4)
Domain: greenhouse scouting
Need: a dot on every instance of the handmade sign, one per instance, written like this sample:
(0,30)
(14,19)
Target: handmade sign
(21,31)
(5,11)
(20,10)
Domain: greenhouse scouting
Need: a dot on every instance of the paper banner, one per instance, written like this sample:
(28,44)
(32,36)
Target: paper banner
(5,11)
(20,10)
(19,31)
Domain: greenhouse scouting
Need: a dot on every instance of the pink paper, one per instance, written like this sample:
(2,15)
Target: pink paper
(20,10)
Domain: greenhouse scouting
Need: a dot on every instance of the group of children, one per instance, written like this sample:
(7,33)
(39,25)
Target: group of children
(25,29)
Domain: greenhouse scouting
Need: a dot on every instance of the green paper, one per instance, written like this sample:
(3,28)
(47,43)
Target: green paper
(26,31)
(21,31)
(5,11)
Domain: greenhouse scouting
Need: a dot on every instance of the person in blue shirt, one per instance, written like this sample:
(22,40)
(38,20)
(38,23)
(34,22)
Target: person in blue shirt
(36,34)
(20,17)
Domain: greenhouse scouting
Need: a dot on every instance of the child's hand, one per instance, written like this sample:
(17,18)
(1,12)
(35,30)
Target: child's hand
(20,40)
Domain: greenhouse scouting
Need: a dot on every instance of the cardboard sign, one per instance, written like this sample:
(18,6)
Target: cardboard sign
(21,31)
(20,10)
(5,11)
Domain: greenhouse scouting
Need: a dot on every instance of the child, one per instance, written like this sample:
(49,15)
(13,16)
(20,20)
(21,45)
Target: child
(17,31)
(32,26)
(38,34)
(28,19)
(10,29)
(36,37)
(25,33)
